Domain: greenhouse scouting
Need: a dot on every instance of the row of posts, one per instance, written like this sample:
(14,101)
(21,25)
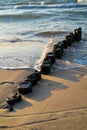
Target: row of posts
(58,50)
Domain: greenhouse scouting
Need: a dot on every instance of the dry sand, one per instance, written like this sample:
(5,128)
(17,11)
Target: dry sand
(58,101)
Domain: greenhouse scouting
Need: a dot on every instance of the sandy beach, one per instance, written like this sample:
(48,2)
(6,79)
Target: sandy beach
(58,101)
(46,35)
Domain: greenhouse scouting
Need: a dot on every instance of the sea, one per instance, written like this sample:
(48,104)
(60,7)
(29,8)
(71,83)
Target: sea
(30,28)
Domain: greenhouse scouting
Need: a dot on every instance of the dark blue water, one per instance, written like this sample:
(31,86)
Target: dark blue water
(27,26)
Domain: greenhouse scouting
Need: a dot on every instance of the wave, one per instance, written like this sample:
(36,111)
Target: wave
(50,33)
(24,4)
(36,11)
(14,40)
(38,2)
(43,5)
(63,5)
(71,59)
(19,16)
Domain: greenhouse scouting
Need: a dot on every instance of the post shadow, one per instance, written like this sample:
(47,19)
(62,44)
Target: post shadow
(70,74)
(44,88)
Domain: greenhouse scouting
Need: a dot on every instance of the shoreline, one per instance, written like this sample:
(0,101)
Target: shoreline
(57,99)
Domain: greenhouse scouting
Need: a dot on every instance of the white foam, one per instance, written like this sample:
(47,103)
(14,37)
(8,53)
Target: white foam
(82,1)
(47,48)
(42,2)
(65,64)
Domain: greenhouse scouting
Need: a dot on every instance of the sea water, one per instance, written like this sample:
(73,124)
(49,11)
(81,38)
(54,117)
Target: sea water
(29,27)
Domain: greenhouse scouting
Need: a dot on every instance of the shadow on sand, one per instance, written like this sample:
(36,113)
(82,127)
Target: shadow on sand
(73,74)
(45,87)
(41,91)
